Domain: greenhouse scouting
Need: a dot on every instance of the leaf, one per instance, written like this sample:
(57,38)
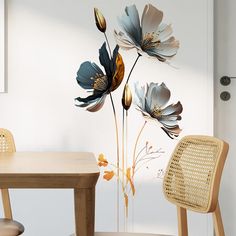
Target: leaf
(119,73)
(126,204)
(126,200)
(108,175)
(128,175)
(102,161)
(132,187)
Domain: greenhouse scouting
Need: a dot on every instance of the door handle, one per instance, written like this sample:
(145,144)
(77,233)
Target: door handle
(225,95)
(225,81)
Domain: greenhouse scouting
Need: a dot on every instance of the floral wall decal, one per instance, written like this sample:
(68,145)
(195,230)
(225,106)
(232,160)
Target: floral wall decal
(100,20)
(70,37)
(150,37)
(150,101)
(92,78)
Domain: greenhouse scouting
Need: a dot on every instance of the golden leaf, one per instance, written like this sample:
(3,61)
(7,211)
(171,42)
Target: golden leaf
(126,204)
(132,187)
(108,175)
(119,73)
(126,199)
(127,97)
(102,161)
(128,176)
(100,20)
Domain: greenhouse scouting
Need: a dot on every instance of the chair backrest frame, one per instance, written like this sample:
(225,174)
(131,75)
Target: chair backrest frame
(215,178)
(7,144)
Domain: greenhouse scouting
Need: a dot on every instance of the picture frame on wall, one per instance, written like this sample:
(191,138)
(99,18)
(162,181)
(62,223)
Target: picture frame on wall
(2,46)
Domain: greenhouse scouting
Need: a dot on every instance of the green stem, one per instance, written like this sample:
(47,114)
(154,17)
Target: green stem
(109,48)
(126,139)
(145,162)
(117,160)
(139,55)
(124,159)
(135,147)
(123,144)
(127,83)
(117,148)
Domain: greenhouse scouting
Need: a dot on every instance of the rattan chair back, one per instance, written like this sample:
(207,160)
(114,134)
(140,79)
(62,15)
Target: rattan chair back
(8,226)
(194,171)
(7,143)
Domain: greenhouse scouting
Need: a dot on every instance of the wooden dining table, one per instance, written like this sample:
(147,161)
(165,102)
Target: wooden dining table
(76,170)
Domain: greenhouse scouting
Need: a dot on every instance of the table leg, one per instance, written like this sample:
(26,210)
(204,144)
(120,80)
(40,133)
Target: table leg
(84,211)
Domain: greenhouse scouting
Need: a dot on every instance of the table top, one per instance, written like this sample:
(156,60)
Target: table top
(48,169)
(67,163)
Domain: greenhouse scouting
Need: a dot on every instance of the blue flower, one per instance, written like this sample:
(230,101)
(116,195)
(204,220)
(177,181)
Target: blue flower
(151,100)
(91,78)
(151,37)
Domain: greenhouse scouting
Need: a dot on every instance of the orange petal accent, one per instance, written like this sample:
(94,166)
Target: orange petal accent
(102,161)
(108,175)
(119,73)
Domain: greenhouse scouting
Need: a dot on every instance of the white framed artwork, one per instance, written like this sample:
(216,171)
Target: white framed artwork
(2,46)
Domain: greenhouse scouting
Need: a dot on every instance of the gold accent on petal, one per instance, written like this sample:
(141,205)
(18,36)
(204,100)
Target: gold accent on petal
(119,73)
(157,112)
(100,83)
(127,97)
(150,40)
(100,20)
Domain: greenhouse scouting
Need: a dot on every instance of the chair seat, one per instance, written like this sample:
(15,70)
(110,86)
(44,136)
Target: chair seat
(124,234)
(10,228)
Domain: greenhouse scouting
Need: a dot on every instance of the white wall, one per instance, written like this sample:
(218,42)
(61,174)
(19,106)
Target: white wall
(47,41)
(2,46)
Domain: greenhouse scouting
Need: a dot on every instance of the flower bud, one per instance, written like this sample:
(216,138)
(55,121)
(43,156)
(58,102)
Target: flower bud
(127,97)
(100,20)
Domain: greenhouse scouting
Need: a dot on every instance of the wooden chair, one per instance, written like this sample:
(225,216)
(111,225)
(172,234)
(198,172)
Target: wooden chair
(193,176)
(127,234)
(124,234)
(8,227)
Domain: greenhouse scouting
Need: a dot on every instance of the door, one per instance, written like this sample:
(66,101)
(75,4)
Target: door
(225,114)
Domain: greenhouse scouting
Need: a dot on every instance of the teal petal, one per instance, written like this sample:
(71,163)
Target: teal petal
(86,74)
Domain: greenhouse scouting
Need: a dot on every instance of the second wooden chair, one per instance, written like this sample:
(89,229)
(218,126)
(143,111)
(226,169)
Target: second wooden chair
(193,176)
(8,227)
